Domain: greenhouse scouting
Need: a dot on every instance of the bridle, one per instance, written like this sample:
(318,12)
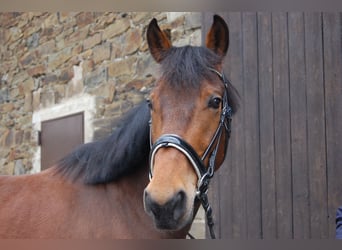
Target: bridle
(204,173)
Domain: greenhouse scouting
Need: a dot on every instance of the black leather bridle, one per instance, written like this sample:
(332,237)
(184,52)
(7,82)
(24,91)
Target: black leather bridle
(204,173)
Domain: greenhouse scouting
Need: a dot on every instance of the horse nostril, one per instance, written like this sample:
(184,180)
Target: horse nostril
(179,201)
(152,207)
(148,203)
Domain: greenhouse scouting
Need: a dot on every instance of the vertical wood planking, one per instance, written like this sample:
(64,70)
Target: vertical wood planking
(234,180)
(300,185)
(296,61)
(266,118)
(333,108)
(282,126)
(251,125)
(316,125)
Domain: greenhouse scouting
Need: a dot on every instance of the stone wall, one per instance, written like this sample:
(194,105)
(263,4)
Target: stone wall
(48,59)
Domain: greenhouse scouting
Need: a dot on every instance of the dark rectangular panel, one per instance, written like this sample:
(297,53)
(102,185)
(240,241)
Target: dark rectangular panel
(59,137)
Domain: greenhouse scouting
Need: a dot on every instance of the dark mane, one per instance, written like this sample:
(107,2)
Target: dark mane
(186,67)
(106,160)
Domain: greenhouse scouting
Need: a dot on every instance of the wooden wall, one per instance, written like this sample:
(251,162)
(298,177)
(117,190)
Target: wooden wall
(282,177)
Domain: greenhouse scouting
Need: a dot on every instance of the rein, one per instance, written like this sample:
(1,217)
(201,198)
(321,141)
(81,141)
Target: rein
(204,173)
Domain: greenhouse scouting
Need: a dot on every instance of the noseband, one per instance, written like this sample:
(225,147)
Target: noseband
(204,173)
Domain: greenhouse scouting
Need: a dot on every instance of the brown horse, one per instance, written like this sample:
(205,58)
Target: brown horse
(102,189)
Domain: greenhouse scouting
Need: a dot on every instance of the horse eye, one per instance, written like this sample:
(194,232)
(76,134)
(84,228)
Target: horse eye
(215,102)
(149,104)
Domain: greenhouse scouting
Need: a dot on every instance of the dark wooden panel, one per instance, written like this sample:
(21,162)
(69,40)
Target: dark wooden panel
(282,126)
(300,178)
(233,181)
(266,114)
(316,125)
(282,175)
(59,137)
(251,125)
(333,108)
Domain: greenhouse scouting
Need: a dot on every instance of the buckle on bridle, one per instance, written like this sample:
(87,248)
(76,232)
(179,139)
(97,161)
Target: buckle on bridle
(203,185)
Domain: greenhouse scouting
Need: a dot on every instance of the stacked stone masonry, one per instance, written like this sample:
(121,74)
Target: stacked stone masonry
(38,56)
(48,58)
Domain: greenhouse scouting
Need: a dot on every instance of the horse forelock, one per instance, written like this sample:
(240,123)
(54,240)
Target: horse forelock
(185,68)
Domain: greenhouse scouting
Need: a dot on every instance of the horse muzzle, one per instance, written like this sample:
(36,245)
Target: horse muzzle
(170,214)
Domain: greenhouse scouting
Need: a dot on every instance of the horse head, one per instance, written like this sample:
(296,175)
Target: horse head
(191,110)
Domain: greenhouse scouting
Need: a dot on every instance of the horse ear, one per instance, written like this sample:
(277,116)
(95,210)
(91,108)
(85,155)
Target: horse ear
(158,41)
(218,36)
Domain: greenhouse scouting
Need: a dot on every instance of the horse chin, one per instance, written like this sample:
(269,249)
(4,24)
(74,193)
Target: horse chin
(167,224)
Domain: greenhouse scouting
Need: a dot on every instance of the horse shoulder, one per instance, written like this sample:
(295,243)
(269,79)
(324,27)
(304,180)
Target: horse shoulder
(34,206)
